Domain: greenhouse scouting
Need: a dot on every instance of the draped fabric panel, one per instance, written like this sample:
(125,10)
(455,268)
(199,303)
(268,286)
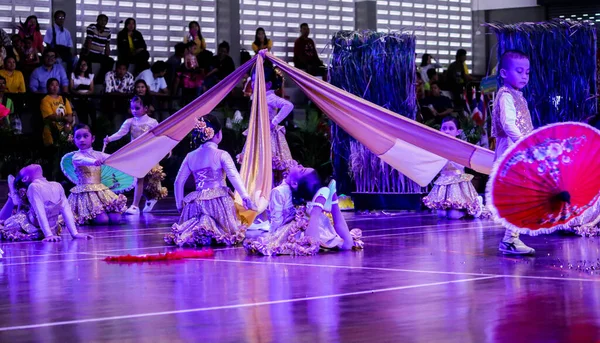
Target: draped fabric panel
(256,171)
(414,149)
(417,151)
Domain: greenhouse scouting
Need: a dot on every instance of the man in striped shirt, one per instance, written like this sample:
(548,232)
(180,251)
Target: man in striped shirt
(97,47)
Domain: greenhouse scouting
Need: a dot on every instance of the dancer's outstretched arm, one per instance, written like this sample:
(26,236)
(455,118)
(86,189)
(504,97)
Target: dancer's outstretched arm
(182,176)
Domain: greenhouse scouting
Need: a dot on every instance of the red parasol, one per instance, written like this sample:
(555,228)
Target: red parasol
(548,180)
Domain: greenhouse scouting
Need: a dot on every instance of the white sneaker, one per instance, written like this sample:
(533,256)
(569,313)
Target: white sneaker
(1,253)
(149,205)
(134,210)
(512,245)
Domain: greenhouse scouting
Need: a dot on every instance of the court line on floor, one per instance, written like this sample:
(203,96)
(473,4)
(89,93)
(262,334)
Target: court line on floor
(238,306)
(424,232)
(292,264)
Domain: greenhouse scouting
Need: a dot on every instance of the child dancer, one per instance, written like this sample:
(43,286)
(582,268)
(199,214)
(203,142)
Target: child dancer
(90,199)
(282,157)
(304,230)
(453,194)
(511,121)
(150,185)
(208,215)
(49,209)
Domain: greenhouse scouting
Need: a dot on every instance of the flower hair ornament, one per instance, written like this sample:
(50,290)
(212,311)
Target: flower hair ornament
(203,132)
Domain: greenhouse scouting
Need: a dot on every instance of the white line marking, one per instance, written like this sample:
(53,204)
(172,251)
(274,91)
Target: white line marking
(425,232)
(263,303)
(397,270)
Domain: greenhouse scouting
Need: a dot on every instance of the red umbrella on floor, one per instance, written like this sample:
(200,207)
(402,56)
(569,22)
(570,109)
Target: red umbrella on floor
(547,179)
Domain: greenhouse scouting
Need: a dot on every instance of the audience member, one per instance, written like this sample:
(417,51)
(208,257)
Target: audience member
(174,62)
(6,42)
(131,47)
(222,66)
(155,78)
(119,81)
(82,84)
(31,29)
(141,89)
(97,46)
(48,70)
(15,83)
(56,112)
(190,78)
(18,47)
(432,76)
(439,105)
(31,59)
(59,38)
(261,41)
(306,56)
(457,76)
(195,36)
(426,65)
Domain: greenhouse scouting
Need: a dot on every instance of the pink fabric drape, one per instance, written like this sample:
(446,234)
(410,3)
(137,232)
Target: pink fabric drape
(138,157)
(256,171)
(414,149)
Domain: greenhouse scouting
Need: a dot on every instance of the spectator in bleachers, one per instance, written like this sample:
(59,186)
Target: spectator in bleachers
(458,76)
(119,81)
(31,59)
(48,70)
(97,46)
(222,66)
(81,85)
(15,83)
(131,47)
(56,112)
(6,41)
(5,100)
(190,78)
(432,76)
(261,41)
(195,36)
(438,104)
(426,65)
(155,78)
(59,38)
(141,89)
(18,47)
(31,29)
(174,62)
(306,56)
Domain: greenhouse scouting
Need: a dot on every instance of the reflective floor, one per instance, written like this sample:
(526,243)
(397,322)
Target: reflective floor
(419,279)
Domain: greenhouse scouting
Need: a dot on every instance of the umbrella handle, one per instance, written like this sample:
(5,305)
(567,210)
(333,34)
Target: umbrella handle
(104,146)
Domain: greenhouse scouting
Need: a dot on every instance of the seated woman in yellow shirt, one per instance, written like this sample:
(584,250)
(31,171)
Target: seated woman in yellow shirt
(194,35)
(261,41)
(56,112)
(15,83)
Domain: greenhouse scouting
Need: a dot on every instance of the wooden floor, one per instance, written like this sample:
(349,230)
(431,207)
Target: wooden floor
(419,279)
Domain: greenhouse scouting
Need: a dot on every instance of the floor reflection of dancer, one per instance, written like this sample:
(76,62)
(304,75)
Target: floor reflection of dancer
(150,185)
(453,194)
(511,121)
(306,229)
(279,110)
(90,199)
(42,209)
(208,215)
